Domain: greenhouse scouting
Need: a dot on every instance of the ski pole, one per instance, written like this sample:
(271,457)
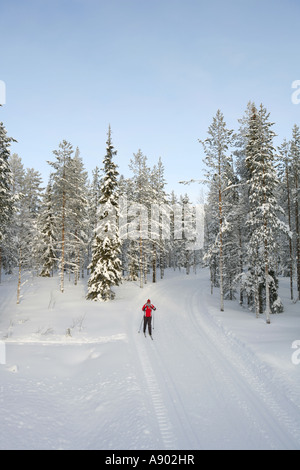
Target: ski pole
(141,325)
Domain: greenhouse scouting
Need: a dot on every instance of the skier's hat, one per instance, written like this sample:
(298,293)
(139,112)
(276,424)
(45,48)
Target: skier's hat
(148,301)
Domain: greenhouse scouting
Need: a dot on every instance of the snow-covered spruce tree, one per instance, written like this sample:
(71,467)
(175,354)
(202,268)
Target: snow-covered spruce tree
(6,197)
(241,194)
(218,161)
(263,221)
(295,167)
(106,271)
(232,235)
(9,246)
(18,251)
(47,246)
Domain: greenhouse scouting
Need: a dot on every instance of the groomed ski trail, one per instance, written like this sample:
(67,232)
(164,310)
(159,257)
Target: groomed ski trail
(204,382)
(192,360)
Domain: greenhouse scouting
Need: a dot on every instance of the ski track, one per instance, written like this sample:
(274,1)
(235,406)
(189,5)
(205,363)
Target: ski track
(234,381)
(52,300)
(172,419)
(155,396)
(249,382)
(258,397)
(196,386)
(181,422)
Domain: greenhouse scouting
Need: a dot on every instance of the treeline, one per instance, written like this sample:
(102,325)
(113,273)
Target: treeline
(72,226)
(252,211)
(75,224)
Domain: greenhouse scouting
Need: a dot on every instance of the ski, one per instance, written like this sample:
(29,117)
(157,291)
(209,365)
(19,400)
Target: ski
(148,335)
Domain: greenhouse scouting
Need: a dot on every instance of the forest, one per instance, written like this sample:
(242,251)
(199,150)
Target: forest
(72,225)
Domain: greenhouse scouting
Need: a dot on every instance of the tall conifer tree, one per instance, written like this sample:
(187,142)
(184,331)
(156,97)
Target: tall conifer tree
(263,221)
(295,167)
(106,265)
(47,247)
(6,197)
(62,189)
(218,162)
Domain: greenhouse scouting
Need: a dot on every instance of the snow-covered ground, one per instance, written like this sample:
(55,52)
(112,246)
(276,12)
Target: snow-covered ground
(209,380)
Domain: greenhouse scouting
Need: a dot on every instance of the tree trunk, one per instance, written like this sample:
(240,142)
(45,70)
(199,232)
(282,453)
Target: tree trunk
(290,240)
(19,278)
(153,262)
(241,264)
(141,262)
(63,243)
(268,309)
(221,246)
(297,233)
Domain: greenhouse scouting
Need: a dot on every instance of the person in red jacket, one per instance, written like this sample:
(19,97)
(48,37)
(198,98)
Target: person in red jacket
(147,309)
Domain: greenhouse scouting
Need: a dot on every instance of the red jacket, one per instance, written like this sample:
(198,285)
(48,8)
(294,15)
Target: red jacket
(147,308)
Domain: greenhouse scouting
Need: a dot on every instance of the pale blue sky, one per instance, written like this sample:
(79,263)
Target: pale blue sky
(156,70)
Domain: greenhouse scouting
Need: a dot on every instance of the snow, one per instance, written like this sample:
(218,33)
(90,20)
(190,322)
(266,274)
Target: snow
(78,375)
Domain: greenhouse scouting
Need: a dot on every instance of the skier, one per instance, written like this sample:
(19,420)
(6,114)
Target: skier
(147,308)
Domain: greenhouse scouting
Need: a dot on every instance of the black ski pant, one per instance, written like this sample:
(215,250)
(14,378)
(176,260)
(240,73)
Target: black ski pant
(147,321)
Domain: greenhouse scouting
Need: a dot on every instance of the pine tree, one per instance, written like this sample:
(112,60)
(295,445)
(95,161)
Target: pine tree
(295,167)
(211,232)
(284,161)
(263,222)
(159,215)
(32,191)
(78,215)
(106,265)
(6,197)
(62,188)
(92,208)
(139,205)
(23,233)
(242,197)
(47,227)
(217,161)
(173,242)
(187,233)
